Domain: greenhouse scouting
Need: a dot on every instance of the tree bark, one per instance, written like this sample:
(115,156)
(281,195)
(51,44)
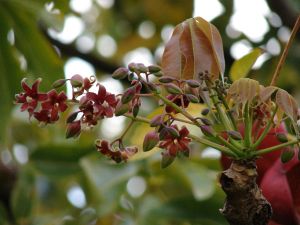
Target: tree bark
(244,204)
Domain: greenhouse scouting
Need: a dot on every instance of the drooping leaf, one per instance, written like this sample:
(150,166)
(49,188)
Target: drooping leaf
(243,90)
(266,92)
(287,104)
(242,66)
(195,46)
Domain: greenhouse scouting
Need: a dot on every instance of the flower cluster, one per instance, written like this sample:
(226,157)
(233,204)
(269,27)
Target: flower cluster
(43,106)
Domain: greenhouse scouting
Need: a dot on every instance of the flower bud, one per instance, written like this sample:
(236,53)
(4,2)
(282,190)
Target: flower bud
(206,121)
(205,111)
(142,68)
(166,79)
(154,68)
(167,160)
(135,110)
(192,98)
(173,132)
(121,109)
(235,135)
(59,83)
(281,137)
(172,88)
(76,80)
(120,73)
(73,129)
(72,117)
(150,141)
(207,131)
(156,121)
(193,83)
(158,74)
(153,88)
(287,154)
(128,95)
(132,67)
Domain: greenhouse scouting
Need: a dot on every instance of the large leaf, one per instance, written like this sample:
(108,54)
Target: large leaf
(242,66)
(195,46)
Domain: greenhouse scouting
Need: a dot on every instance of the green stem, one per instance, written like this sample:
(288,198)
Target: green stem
(228,112)
(127,129)
(266,130)
(221,148)
(274,148)
(178,109)
(232,148)
(248,126)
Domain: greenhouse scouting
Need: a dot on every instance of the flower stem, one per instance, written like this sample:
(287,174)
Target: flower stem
(274,148)
(248,126)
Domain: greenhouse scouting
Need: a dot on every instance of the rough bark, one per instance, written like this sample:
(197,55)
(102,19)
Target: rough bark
(244,204)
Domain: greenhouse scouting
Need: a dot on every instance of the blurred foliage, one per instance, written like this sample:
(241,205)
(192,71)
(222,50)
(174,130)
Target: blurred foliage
(186,193)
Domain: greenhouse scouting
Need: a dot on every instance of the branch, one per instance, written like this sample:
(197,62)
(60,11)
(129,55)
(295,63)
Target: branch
(70,50)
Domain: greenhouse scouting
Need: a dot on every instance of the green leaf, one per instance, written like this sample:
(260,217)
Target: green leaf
(242,66)
(24,194)
(195,46)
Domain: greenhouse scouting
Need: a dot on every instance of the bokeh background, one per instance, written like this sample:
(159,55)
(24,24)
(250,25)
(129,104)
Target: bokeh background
(46,179)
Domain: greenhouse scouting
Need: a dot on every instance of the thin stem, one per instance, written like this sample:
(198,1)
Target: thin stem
(266,130)
(248,126)
(214,145)
(178,109)
(285,52)
(232,147)
(228,110)
(138,118)
(182,120)
(127,129)
(274,148)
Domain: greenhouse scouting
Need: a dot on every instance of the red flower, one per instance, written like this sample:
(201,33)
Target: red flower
(175,144)
(281,186)
(97,106)
(117,155)
(30,97)
(54,104)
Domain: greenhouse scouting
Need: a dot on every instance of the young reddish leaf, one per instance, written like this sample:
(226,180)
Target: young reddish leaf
(243,90)
(242,66)
(266,92)
(287,104)
(195,46)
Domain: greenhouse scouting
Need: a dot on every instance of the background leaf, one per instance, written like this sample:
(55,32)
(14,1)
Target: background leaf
(242,66)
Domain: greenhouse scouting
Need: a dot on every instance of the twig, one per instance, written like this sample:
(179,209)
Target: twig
(285,52)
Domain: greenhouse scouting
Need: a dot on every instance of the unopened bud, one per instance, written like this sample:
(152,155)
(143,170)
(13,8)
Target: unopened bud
(193,83)
(72,117)
(158,74)
(166,79)
(150,141)
(153,88)
(120,73)
(59,83)
(281,137)
(167,160)
(205,111)
(154,68)
(173,132)
(156,121)
(73,129)
(206,121)
(128,95)
(207,131)
(287,154)
(235,135)
(132,67)
(121,109)
(192,98)
(173,89)
(142,68)
(76,80)
(135,110)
